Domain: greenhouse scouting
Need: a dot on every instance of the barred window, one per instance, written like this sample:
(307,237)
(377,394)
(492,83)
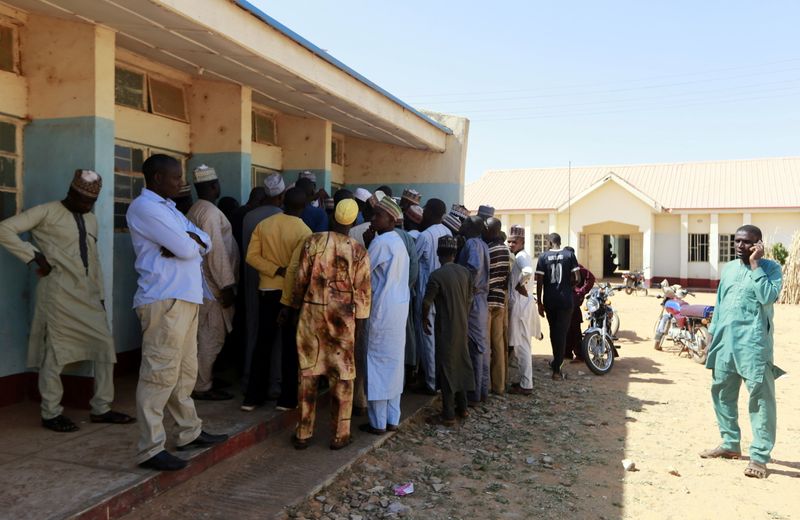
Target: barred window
(8,48)
(10,161)
(264,128)
(727,249)
(541,243)
(136,89)
(698,247)
(128,178)
(337,151)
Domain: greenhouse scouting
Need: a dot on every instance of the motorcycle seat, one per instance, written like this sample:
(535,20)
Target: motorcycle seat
(697,311)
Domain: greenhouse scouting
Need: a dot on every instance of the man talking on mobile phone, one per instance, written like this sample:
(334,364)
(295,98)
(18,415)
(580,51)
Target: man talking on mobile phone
(741,350)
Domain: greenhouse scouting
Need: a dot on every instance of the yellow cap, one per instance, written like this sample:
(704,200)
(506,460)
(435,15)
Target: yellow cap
(346,212)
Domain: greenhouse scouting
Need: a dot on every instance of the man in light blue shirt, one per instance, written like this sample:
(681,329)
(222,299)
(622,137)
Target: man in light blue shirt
(169,251)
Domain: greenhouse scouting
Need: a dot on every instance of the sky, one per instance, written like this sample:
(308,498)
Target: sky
(588,82)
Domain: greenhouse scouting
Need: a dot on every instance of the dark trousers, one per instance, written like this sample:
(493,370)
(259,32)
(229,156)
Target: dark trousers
(574,336)
(559,321)
(269,305)
(290,365)
(451,401)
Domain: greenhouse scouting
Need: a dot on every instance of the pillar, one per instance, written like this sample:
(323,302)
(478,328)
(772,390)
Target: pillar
(747,218)
(649,250)
(713,247)
(221,134)
(70,72)
(529,234)
(306,145)
(552,224)
(684,249)
(505,221)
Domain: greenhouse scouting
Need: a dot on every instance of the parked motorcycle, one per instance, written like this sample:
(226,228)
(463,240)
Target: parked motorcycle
(634,281)
(597,346)
(684,324)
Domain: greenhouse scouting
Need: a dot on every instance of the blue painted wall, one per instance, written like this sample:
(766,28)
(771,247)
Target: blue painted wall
(233,170)
(52,150)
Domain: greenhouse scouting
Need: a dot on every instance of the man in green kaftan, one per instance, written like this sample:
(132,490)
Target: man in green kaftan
(449,288)
(741,350)
(69,322)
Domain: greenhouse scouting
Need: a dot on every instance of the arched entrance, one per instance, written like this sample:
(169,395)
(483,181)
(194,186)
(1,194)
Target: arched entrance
(612,247)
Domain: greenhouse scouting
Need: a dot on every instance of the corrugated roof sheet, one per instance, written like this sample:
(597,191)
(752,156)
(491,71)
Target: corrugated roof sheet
(751,183)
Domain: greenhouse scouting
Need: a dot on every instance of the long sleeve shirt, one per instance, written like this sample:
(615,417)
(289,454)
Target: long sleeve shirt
(154,222)
(742,328)
(271,246)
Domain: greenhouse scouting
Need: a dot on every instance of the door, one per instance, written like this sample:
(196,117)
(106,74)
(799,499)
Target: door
(595,248)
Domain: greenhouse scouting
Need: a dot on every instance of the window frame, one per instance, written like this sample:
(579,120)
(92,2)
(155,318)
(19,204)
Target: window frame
(15,47)
(696,253)
(730,248)
(17,156)
(539,243)
(337,158)
(147,151)
(272,116)
(147,92)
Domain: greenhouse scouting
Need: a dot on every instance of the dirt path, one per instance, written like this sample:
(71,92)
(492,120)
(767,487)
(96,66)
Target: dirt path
(559,452)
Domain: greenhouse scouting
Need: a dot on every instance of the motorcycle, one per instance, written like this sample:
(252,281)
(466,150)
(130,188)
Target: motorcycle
(684,324)
(597,345)
(634,281)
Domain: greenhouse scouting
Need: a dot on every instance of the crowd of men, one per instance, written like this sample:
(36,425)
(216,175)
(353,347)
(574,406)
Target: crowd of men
(365,293)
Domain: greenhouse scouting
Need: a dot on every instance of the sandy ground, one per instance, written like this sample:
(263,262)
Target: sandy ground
(558,453)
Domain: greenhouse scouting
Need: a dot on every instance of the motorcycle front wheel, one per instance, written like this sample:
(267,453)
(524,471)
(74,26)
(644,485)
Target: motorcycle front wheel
(598,353)
(614,325)
(629,290)
(700,352)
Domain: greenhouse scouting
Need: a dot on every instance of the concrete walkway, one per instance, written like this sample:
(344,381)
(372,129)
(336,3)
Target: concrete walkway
(92,473)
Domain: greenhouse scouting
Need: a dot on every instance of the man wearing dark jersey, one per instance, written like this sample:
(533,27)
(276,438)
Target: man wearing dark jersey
(556,272)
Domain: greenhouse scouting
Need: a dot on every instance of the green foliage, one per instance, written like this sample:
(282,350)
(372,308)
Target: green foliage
(779,253)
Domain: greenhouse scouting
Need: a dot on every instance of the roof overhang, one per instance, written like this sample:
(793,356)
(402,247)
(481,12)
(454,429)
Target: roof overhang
(612,177)
(231,40)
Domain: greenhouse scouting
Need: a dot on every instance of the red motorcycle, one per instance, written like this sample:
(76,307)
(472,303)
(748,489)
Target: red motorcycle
(634,281)
(686,325)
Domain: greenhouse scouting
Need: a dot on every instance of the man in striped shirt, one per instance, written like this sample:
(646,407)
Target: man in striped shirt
(499,269)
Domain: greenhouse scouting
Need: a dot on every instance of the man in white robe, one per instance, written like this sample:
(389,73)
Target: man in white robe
(221,274)
(69,321)
(386,341)
(522,320)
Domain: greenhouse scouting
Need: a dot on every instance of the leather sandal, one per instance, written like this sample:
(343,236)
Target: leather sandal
(720,453)
(338,445)
(755,470)
(300,444)
(112,417)
(60,424)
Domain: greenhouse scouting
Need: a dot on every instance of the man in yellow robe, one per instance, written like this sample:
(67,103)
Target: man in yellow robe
(69,321)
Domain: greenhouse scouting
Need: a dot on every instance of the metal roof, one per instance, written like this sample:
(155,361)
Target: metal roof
(735,184)
(232,41)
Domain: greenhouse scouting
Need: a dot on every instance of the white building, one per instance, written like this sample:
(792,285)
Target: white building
(673,221)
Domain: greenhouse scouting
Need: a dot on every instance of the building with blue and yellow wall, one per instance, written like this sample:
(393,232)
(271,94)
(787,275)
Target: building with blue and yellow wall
(102,85)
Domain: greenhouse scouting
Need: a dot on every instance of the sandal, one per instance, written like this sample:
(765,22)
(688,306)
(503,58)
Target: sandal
(338,445)
(60,424)
(367,427)
(438,420)
(112,417)
(300,444)
(755,470)
(720,453)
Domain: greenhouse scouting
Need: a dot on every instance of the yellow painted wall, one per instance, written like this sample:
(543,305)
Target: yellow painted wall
(67,73)
(305,143)
(267,156)
(14,97)
(141,127)
(777,227)
(220,116)
(667,261)
(596,207)
(370,162)
(729,222)
(699,223)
